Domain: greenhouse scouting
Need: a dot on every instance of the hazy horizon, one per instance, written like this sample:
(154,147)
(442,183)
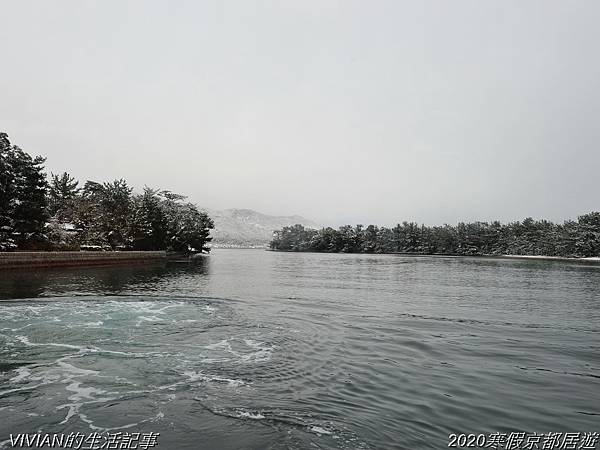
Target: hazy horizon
(341,112)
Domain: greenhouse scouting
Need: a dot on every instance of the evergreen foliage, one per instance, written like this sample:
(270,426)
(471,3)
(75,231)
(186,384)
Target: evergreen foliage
(529,237)
(23,203)
(60,215)
(162,218)
(62,195)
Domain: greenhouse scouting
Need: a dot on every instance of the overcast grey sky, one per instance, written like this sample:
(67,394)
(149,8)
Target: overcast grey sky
(370,111)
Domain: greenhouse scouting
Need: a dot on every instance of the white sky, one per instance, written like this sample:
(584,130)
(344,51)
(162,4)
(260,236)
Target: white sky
(370,111)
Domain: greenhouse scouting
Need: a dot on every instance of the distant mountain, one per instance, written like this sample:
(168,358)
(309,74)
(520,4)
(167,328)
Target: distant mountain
(248,228)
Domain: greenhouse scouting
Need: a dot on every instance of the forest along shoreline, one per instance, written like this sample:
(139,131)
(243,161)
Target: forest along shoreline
(60,215)
(529,238)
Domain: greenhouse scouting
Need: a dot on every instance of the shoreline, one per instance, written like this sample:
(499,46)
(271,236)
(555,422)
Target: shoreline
(595,259)
(26,260)
(592,259)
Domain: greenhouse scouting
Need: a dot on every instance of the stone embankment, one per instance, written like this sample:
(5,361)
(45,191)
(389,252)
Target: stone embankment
(15,260)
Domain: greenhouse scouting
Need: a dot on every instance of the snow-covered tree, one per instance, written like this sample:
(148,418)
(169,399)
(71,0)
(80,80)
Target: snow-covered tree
(7,194)
(23,201)
(104,213)
(162,221)
(149,223)
(62,196)
(189,229)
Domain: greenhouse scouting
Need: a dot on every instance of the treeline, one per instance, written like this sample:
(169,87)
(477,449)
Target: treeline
(60,214)
(579,238)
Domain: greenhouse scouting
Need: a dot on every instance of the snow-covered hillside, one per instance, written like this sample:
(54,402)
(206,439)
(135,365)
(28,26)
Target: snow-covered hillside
(248,228)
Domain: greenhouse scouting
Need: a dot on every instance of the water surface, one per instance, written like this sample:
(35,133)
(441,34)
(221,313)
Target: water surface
(253,349)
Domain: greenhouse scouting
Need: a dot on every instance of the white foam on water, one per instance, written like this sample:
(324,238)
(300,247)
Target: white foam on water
(22,374)
(25,340)
(159,416)
(127,354)
(223,344)
(77,390)
(17,329)
(58,371)
(142,319)
(194,376)
(171,387)
(263,352)
(70,413)
(214,360)
(10,391)
(88,421)
(146,307)
(199,376)
(75,371)
(92,426)
(81,393)
(231,382)
(250,415)
(319,430)
(162,310)
(151,318)
(253,344)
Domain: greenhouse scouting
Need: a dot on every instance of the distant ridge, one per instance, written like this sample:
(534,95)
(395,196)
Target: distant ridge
(249,228)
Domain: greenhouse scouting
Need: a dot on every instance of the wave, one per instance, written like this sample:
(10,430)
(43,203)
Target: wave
(296,420)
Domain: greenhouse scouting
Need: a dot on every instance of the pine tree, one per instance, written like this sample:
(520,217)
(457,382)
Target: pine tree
(189,229)
(105,213)
(588,235)
(149,223)
(23,203)
(7,194)
(62,196)
(30,214)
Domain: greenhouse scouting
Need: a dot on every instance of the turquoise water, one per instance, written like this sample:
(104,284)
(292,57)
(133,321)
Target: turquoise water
(255,349)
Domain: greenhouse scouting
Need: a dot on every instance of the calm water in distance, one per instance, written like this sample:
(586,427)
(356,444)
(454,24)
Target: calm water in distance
(261,350)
